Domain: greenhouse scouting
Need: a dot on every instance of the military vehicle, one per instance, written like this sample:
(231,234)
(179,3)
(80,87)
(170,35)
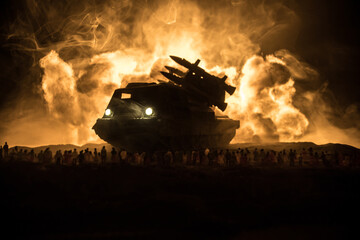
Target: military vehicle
(178,114)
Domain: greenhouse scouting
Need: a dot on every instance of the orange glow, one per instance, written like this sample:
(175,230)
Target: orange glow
(111,52)
(265,104)
(256,102)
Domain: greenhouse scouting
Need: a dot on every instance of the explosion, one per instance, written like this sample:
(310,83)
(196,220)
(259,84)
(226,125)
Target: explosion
(89,50)
(264,102)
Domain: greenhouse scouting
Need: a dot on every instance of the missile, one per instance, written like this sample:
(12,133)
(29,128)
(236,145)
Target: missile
(193,67)
(172,77)
(193,83)
(175,70)
(185,63)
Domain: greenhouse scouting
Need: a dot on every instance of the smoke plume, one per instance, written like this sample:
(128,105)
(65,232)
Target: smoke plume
(82,51)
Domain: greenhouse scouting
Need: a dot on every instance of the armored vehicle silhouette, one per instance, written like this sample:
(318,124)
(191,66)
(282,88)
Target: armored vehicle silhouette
(173,115)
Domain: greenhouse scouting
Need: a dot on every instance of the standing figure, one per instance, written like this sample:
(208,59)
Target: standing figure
(168,157)
(96,158)
(147,158)
(292,158)
(262,156)
(58,157)
(305,157)
(243,158)
(220,158)
(238,157)
(184,158)
(280,159)
(142,158)
(74,157)
(41,156)
(256,156)
(206,157)
(324,160)
(136,158)
(48,155)
(123,156)
(66,157)
(6,150)
(227,158)
(81,157)
(301,159)
(113,155)
(32,155)
(195,157)
(316,158)
(87,156)
(272,160)
(103,155)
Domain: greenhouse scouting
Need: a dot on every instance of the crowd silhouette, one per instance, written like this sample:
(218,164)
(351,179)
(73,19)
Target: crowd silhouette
(196,157)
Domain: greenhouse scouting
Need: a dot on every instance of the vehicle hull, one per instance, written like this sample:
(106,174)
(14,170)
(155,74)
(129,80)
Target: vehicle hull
(157,134)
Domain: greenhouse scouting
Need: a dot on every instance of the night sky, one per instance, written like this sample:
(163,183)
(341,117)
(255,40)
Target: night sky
(328,40)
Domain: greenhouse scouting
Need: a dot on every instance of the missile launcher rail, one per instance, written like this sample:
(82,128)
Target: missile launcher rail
(196,81)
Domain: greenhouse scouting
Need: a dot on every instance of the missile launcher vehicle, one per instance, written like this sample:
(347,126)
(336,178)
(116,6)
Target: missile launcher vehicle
(176,115)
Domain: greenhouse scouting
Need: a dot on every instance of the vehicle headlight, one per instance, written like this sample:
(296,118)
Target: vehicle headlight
(108,112)
(149,111)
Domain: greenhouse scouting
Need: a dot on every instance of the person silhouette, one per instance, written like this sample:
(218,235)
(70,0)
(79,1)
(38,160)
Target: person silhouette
(103,155)
(6,150)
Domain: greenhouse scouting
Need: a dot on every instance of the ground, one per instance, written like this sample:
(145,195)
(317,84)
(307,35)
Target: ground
(112,202)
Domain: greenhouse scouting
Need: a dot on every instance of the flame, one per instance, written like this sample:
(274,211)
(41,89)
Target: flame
(106,45)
